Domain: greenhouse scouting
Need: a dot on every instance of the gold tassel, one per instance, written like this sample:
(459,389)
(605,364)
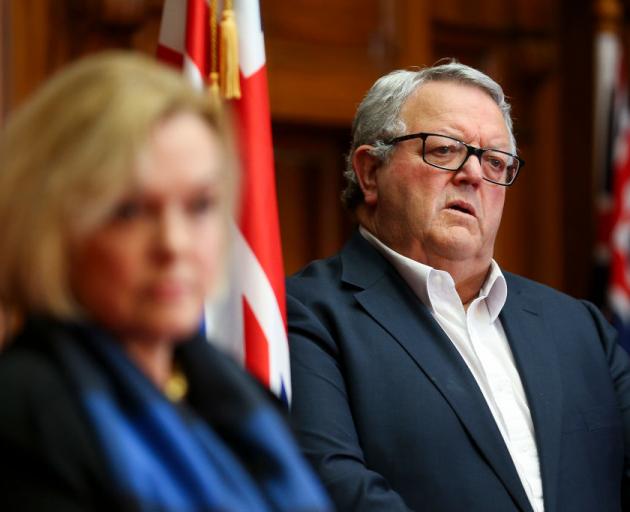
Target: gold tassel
(213,87)
(214,91)
(229,67)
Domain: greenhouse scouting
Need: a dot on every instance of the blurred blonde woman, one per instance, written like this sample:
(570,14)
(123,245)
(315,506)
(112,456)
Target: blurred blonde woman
(116,186)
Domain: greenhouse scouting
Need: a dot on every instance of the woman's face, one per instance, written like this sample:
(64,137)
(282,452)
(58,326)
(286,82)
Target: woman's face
(145,273)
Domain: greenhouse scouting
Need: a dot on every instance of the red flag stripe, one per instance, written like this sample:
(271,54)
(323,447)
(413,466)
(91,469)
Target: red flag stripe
(170,56)
(256,346)
(197,35)
(258,215)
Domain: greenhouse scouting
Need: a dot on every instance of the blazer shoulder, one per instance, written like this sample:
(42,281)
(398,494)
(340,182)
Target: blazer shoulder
(317,276)
(46,442)
(559,306)
(29,378)
(523,285)
(359,265)
(42,420)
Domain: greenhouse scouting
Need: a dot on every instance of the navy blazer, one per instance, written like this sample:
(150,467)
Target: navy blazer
(392,419)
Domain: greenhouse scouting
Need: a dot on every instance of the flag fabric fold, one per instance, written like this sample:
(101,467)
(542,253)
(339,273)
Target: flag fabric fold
(251,323)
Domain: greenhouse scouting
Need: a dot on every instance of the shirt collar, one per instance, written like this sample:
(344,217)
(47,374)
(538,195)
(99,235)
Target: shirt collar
(494,291)
(416,275)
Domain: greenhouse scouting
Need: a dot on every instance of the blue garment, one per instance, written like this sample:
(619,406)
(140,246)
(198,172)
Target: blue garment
(224,449)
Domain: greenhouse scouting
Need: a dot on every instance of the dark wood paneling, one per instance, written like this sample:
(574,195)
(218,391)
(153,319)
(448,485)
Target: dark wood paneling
(43,35)
(498,15)
(322,57)
(576,146)
(309,165)
(4,59)
(37,45)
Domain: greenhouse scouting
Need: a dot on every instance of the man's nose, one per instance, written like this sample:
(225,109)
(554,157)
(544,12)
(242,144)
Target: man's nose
(471,172)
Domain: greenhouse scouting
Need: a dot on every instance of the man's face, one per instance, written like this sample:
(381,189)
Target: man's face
(431,215)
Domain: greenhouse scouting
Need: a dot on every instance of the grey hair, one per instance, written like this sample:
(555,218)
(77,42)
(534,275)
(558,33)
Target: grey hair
(378,116)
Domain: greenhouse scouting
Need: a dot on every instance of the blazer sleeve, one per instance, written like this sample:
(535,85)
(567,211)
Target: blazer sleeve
(47,459)
(619,365)
(322,416)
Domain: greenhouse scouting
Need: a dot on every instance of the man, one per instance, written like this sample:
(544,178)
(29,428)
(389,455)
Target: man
(424,377)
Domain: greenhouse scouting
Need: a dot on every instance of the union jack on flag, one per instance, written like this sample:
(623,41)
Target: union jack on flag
(252,323)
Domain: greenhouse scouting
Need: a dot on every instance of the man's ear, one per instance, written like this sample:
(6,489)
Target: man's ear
(365,166)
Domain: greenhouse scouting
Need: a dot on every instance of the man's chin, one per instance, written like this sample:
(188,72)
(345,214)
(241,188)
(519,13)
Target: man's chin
(457,243)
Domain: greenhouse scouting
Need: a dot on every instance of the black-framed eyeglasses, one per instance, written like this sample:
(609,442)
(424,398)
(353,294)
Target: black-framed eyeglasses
(448,153)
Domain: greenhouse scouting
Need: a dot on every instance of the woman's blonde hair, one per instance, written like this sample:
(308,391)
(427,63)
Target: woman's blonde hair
(67,156)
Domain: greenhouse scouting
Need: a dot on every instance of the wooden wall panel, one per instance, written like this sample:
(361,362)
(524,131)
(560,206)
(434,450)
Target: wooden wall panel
(40,36)
(530,241)
(576,115)
(309,165)
(36,45)
(322,57)
(413,26)
(498,15)
(4,56)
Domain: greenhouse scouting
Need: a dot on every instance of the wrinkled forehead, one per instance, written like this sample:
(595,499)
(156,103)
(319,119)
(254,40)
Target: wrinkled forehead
(459,106)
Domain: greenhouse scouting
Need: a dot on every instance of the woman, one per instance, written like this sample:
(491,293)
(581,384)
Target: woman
(115,193)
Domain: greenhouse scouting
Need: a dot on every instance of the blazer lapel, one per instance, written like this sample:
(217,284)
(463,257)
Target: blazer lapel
(387,298)
(536,359)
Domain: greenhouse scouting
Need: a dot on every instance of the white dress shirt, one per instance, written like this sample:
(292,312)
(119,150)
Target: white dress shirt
(479,338)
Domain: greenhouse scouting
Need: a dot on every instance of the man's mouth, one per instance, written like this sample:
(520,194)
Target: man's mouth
(461,206)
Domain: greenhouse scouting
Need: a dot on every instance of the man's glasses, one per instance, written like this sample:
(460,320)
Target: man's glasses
(451,154)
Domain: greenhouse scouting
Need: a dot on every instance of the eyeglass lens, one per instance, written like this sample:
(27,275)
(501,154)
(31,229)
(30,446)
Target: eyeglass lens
(450,154)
